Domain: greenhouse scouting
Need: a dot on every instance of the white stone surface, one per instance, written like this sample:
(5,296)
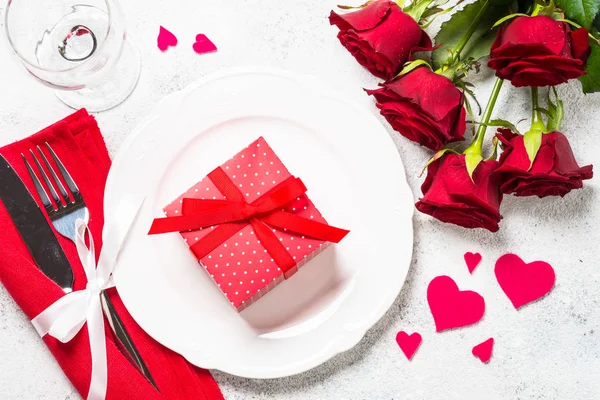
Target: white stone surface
(547,350)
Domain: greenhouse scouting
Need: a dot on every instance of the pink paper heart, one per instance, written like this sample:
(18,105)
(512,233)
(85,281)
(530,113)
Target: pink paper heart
(483,351)
(472,260)
(452,308)
(522,282)
(408,343)
(203,44)
(166,39)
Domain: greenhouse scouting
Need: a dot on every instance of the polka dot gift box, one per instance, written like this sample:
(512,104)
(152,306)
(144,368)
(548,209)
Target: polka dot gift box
(250,224)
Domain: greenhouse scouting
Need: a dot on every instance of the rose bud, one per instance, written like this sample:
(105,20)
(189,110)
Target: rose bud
(451,196)
(539,51)
(424,107)
(380,36)
(554,171)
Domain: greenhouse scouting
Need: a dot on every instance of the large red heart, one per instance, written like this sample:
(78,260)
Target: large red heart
(452,308)
(522,282)
(408,343)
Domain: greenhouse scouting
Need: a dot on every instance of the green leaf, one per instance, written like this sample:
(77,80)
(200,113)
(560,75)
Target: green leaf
(494,154)
(436,157)
(357,7)
(581,11)
(453,30)
(591,82)
(472,160)
(556,112)
(532,140)
(417,8)
(465,86)
(470,112)
(503,124)
(511,16)
(413,65)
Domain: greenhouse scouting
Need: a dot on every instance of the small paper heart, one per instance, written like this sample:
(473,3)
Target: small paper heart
(521,282)
(166,39)
(483,351)
(203,44)
(408,343)
(451,307)
(472,260)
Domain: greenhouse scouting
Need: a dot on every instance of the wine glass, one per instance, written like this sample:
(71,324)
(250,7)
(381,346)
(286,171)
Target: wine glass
(79,48)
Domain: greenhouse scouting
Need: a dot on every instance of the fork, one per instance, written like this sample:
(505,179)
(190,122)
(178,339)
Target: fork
(66,209)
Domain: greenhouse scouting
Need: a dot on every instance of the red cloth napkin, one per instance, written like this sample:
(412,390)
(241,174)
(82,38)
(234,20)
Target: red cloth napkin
(79,144)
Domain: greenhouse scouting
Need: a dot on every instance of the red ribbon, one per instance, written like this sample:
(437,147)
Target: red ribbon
(234,213)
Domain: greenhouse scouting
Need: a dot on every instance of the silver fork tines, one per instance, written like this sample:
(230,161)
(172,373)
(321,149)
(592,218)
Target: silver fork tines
(68,206)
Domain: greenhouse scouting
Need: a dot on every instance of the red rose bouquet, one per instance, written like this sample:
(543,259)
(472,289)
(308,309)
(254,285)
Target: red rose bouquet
(426,95)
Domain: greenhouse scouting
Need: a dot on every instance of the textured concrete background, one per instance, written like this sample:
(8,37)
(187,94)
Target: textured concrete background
(547,350)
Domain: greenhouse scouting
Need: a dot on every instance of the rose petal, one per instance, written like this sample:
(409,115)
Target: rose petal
(378,64)
(363,19)
(544,160)
(432,92)
(536,30)
(580,44)
(395,37)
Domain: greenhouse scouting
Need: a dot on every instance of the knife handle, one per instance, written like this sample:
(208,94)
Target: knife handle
(124,339)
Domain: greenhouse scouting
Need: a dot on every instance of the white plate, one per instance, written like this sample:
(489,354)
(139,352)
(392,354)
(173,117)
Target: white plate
(354,176)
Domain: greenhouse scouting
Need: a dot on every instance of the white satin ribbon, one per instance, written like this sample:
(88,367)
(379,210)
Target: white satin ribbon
(65,317)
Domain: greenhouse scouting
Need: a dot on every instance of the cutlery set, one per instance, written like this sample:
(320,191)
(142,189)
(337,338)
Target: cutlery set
(64,207)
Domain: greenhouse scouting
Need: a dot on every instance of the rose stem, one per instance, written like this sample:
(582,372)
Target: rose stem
(466,37)
(536,116)
(477,144)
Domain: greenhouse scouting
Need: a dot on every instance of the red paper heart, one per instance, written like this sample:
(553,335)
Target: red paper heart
(408,343)
(472,260)
(483,351)
(452,308)
(203,44)
(166,39)
(521,282)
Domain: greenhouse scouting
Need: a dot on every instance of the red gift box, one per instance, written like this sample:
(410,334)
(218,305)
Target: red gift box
(250,224)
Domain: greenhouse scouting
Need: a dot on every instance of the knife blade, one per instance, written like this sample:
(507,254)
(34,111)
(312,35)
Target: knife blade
(33,228)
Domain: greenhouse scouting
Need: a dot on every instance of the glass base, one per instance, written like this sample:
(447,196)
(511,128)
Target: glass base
(111,91)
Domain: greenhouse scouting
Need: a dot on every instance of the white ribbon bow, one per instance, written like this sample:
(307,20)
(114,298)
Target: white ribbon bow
(65,317)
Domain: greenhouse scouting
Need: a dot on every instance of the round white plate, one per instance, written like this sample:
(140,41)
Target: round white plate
(354,176)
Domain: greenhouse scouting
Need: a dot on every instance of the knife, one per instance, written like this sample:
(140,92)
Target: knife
(49,255)
(33,228)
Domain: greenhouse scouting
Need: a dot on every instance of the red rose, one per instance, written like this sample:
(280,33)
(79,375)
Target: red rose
(423,106)
(450,195)
(380,36)
(554,171)
(539,51)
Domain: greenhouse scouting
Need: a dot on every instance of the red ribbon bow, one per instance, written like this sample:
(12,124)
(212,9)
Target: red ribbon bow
(235,213)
